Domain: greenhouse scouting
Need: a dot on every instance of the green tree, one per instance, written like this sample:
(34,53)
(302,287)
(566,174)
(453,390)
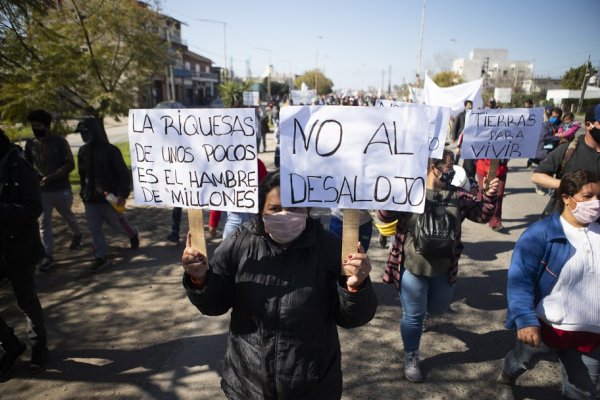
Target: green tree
(232,92)
(573,78)
(315,78)
(91,56)
(447,79)
(277,88)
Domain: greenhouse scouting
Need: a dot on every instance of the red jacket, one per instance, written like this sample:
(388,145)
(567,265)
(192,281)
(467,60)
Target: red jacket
(483,166)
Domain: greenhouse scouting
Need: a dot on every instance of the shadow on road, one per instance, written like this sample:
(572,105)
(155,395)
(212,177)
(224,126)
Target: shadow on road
(138,367)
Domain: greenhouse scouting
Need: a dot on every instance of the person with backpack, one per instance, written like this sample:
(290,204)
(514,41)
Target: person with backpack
(280,275)
(553,290)
(423,260)
(20,250)
(583,152)
(105,186)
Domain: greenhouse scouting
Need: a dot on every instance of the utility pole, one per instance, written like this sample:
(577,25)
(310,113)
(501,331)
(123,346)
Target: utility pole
(421,46)
(248,70)
(170,78)
(586,78)
(389,80)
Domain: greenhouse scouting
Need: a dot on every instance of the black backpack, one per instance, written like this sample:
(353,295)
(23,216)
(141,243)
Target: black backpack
(436,230)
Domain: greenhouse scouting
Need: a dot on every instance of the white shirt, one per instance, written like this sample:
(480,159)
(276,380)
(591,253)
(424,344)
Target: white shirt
(574,302)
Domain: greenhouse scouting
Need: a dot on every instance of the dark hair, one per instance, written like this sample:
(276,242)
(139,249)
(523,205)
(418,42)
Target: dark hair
(558,111)
(572,182)
(4,143)
(590,113)
(272,180)
(269,182)
(529,102)
(468,102)
(437,162)
(569,115)
(41,116)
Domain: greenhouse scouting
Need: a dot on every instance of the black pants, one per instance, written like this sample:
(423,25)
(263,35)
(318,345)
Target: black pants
(176,220)
(23,283)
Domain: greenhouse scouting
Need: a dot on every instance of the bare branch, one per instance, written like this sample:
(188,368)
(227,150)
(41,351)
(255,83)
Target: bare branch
(90,47)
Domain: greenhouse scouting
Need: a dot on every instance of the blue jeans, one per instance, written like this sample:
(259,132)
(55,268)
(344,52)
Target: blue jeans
(421,295)
(364,231)
(234,221)
(176,220)
(579,370)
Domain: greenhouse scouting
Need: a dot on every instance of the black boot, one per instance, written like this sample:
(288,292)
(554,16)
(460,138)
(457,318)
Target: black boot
(13,348)
(39,357)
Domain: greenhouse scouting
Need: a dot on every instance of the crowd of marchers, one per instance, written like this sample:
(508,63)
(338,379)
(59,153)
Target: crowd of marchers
(279,271)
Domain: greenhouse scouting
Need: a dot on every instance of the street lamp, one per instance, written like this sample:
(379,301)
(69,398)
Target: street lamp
(269,75)
(317,66)
(226,74)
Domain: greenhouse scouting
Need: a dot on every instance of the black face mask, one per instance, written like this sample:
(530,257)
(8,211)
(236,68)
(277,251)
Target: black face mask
(39,133)
(86,135)
(595,132)
(447,177)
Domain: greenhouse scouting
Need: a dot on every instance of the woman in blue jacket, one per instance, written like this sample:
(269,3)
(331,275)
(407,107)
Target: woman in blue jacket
(554,291)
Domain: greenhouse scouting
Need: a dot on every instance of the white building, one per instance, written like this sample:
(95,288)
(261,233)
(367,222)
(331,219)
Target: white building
(557,96)
(495,67)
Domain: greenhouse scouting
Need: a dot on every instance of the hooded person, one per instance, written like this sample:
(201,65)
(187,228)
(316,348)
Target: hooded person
(20,250)
(52,158)
(105,187)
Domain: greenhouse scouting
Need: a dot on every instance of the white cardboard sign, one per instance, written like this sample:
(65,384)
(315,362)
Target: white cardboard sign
(502,133)
(303,97)
(438,118)
(251,99)
(195,158)
(354,157)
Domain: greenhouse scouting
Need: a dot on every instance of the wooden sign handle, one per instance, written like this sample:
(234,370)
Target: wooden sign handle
(350,233)
(196,223)
(492,172)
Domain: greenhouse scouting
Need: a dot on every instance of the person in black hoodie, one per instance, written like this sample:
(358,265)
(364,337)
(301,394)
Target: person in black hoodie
(51,156)
(280,274)
(105,187)
(20,250)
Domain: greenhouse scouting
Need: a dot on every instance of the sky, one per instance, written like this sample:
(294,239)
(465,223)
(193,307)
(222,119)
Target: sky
(356,43)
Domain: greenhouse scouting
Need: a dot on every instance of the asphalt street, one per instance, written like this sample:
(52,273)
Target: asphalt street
(129,332)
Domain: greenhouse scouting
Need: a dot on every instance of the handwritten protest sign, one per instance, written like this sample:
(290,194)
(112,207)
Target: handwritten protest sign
(251,99)
(354,157)
(303,97)
(438,118)
(502,133)
(195,158)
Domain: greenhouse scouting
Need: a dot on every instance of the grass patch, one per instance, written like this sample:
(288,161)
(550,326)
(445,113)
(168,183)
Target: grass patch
(74,175)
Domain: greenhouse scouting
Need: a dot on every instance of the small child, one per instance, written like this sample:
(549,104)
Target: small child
(566,132)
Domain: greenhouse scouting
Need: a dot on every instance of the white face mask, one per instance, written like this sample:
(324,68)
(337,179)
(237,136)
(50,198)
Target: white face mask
(284,226)
(586,212)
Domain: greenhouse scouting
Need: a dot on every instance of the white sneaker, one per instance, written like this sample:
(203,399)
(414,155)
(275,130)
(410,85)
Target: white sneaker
(412,369)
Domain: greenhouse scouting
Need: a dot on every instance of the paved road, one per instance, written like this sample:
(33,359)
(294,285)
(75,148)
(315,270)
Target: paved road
(130,333)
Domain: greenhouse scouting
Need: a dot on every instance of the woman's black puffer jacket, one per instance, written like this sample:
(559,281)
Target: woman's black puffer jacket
(286,305)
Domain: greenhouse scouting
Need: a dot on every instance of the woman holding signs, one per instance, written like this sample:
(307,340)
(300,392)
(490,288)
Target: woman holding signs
(280,276)
(424,265)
